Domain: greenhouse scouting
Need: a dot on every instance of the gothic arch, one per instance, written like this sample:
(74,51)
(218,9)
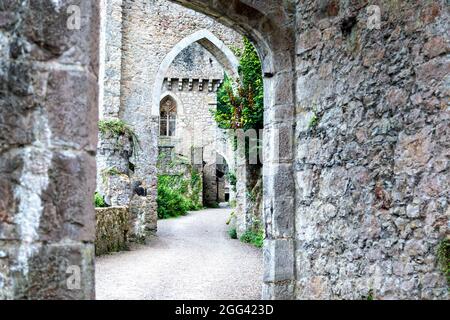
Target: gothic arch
(180,108)
(210,42)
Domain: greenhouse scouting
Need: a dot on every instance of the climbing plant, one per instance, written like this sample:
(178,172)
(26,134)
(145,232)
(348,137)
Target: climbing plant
(241,105)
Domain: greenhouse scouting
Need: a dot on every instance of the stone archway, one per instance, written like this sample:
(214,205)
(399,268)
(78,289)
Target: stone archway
(208,40)
(272,32)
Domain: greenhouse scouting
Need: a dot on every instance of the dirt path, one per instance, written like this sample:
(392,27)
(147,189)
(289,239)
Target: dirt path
(192,258)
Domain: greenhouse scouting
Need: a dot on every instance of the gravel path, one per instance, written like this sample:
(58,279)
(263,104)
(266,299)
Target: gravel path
(192,258)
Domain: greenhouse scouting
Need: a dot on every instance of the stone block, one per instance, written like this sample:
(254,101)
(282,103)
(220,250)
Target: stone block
(71,105)
(278,260)
(68,209)
(112,229)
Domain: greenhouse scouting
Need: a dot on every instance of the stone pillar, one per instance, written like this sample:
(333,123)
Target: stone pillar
(48,115)
(242,220)
(113,151)
(136,111)
(111,63)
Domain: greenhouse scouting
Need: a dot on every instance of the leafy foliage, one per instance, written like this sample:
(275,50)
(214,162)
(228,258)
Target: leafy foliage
(255,238)
(171,204)
(314,121)
(177,196)
(233,233)
(241,106)
(99,201)
(232,179)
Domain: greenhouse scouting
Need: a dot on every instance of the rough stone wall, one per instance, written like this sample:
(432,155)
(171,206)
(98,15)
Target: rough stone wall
(113,172)
(372,141)
(48,115)
(195,62)
(111,55)
(195,124)
(111,229)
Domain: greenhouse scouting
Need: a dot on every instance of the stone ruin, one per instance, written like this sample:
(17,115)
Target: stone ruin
(356,161)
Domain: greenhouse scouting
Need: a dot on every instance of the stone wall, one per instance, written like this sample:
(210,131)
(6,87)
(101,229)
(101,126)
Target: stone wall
(48,118)
(111,58)
(196,128)
(195,62)
(111,229)
(372,141)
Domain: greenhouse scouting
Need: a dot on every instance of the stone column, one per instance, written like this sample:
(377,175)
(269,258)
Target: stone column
(136,111)
(48,115)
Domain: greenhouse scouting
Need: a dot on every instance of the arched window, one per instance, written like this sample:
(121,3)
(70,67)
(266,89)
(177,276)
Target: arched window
(168,117)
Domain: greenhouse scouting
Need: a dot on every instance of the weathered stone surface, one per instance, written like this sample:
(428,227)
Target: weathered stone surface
(112,229)
(371,171)
(48,99)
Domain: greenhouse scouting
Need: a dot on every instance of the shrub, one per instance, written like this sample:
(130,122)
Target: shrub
(99,201)
(233,233)
(242,107)
(255,238)
(177,196)
(171,204)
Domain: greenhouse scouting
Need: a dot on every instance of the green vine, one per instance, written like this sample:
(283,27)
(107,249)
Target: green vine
(443,257)
(232,179)
(241,106)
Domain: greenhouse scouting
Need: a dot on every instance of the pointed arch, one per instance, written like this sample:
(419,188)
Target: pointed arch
(210,42)
(180,108)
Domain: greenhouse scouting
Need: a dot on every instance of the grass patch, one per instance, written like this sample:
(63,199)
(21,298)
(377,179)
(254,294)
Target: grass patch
(255,238)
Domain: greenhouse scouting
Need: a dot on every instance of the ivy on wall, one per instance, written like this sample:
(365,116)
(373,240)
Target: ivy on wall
(241,105)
